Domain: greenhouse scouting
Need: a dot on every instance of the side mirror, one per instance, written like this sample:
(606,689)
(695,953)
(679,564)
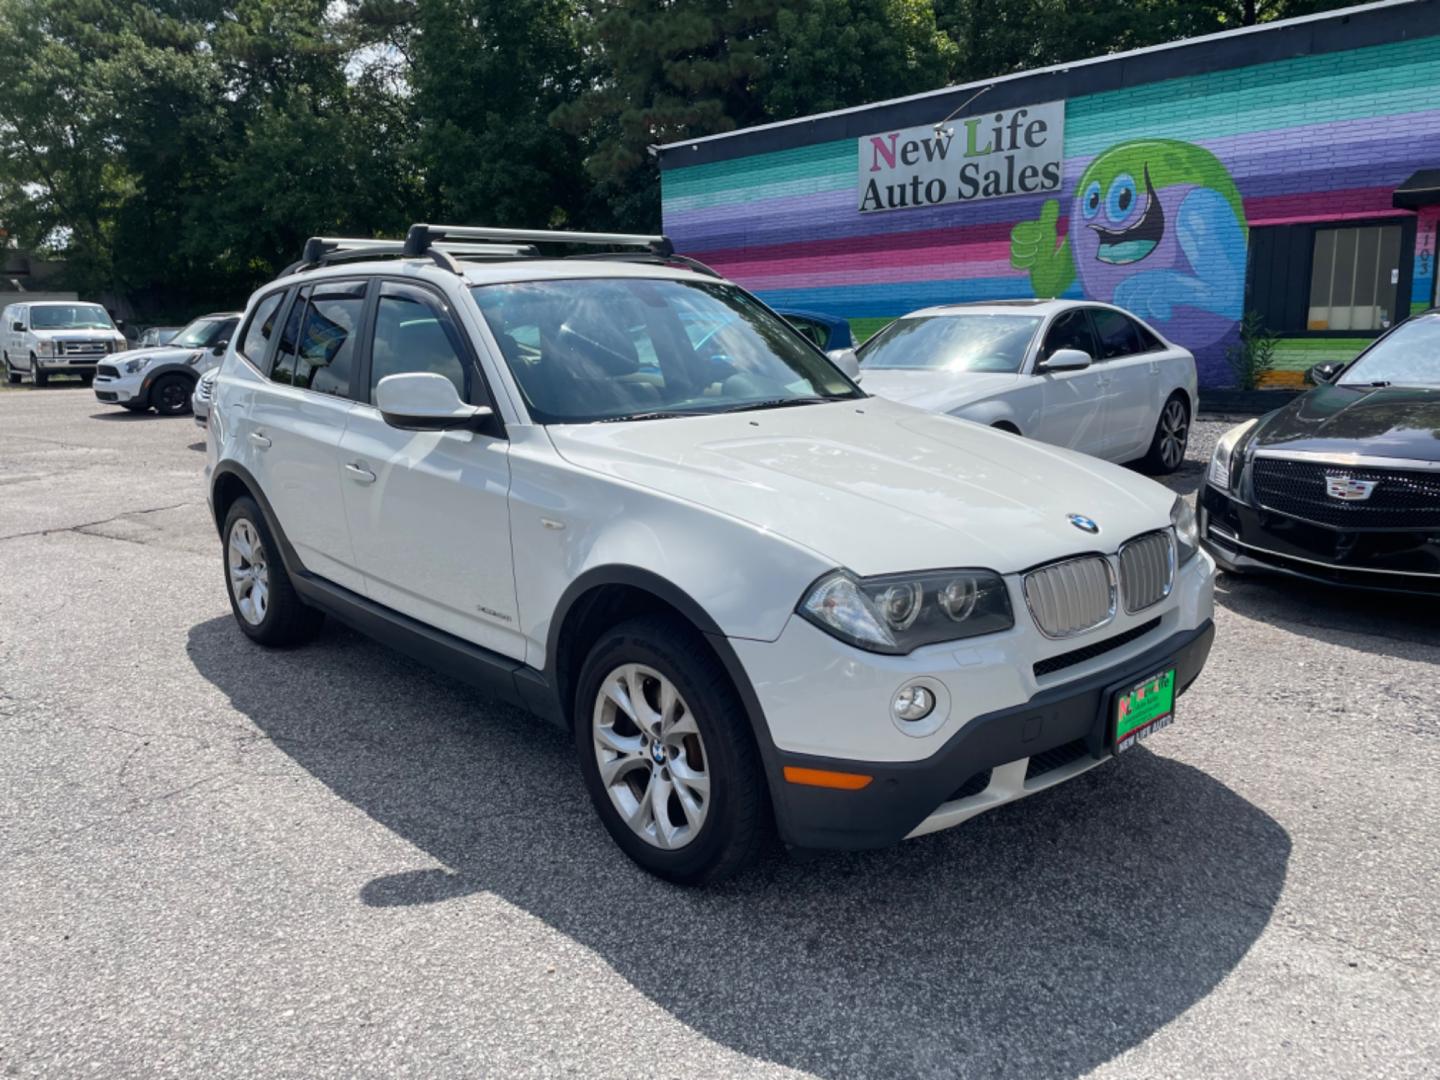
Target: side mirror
(18,327)
(847,361)
(1065,360)
(425,401)
(221,346)
(1319,374)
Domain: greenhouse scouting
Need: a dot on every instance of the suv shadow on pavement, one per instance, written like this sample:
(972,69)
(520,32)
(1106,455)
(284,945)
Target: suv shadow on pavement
(1039,940)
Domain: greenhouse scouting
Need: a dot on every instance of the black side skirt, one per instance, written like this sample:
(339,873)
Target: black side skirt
(497,675)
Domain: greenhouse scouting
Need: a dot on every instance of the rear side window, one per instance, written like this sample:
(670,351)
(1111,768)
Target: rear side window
(413,334)
(284,369)
(814,331)
(326,352)
(1070,330)
(1148,341)
(260,330)
(1118,335)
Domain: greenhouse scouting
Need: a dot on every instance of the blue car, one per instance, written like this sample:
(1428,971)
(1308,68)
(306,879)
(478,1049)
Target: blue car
(826,331)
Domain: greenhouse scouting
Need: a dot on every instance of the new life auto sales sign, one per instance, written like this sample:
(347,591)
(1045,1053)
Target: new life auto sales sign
(1011,152)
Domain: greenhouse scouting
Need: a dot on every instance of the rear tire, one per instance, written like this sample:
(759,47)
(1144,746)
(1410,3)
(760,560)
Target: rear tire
(171,395)
(263,600)
(38,378)
(1171,439)
(683,745)
(11,375)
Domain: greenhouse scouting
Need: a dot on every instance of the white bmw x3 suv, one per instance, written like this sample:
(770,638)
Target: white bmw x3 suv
(625,495)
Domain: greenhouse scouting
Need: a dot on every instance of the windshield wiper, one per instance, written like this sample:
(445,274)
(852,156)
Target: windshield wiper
(658,414)
(779,403)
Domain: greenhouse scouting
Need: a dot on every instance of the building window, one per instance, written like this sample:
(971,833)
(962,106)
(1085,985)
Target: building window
(1354,278)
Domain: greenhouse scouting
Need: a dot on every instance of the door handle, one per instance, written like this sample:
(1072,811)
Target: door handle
(359,473)
(259,440)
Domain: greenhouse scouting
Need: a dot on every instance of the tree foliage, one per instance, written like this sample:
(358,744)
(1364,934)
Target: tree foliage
(177,152)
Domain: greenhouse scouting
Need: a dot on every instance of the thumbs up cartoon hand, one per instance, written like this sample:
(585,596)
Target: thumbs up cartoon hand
(1030,241)
(1032,247)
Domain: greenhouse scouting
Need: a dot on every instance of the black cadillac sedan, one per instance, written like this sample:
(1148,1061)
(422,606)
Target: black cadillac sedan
(1342,485)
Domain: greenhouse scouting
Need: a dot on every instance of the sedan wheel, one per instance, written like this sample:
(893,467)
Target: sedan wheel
(249,572)
(1172,437)
(651,757)
(1174,434)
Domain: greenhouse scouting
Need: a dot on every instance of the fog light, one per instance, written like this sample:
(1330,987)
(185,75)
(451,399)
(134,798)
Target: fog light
(913,703)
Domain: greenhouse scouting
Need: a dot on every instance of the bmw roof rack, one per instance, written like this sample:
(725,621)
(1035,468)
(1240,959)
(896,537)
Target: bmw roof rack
(448,245)
(328,250)
(422,237)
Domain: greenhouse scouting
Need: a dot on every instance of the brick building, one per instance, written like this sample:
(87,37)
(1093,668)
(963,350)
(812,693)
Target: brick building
(1291,170)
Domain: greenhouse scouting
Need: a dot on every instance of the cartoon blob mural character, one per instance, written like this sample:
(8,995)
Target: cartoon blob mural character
(1157,227)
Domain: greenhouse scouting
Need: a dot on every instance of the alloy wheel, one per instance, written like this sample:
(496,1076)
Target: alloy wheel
(652,760)
(1174,434)
(249,572)
(172,395)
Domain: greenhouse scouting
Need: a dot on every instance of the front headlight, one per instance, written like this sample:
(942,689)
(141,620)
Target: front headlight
(140,363)
(1223,459)
(45,348)
(1187,532)
(898,613)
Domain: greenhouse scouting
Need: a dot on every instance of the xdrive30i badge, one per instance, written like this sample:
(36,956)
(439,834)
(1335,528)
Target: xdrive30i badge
(1083,523)
(1348,488)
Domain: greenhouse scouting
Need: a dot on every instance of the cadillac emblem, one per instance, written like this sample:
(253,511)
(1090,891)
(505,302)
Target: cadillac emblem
(1347,488)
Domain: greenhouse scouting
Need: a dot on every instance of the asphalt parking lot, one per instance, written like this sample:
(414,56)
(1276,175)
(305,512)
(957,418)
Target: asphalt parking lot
(223,861)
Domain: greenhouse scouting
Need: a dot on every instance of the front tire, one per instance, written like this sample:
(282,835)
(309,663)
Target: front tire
(667,753)
(1171,439)
(263,600)
(171,395)
(38,378)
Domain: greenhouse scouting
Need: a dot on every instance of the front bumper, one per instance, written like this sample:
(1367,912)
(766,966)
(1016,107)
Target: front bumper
(1244,538)
(994,759)
(67,365)
(121,389)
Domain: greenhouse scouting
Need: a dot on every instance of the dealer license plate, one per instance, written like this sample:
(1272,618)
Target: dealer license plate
(1144,709)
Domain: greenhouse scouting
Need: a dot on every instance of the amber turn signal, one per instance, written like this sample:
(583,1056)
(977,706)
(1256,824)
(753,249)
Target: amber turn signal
(845,781)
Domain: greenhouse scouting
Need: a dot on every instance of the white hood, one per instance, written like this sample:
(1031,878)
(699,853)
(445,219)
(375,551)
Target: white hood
(77,335)
(938,391)
(879,487)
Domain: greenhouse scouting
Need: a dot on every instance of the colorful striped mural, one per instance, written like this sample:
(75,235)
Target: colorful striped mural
(1308,139)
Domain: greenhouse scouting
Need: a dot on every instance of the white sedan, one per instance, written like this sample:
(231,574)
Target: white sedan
(1077,374)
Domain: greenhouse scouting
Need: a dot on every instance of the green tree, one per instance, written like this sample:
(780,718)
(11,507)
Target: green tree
(832,54)
(485,76)
(664,72)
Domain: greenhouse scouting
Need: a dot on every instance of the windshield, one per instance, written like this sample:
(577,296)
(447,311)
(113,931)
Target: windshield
(952,343)
(1407,356)
(200,333)
(588,349)
(70,317)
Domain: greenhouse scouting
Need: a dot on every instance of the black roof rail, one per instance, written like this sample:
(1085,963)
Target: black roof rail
(422,237)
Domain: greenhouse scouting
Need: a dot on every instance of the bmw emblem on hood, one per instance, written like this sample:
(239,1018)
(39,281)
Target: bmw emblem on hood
(1083,523)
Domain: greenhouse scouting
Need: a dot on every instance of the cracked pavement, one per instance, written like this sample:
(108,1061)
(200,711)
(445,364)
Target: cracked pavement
(229,862)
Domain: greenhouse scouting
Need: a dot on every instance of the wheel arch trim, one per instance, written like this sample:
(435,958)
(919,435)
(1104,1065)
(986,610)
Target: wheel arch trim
(675,597)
